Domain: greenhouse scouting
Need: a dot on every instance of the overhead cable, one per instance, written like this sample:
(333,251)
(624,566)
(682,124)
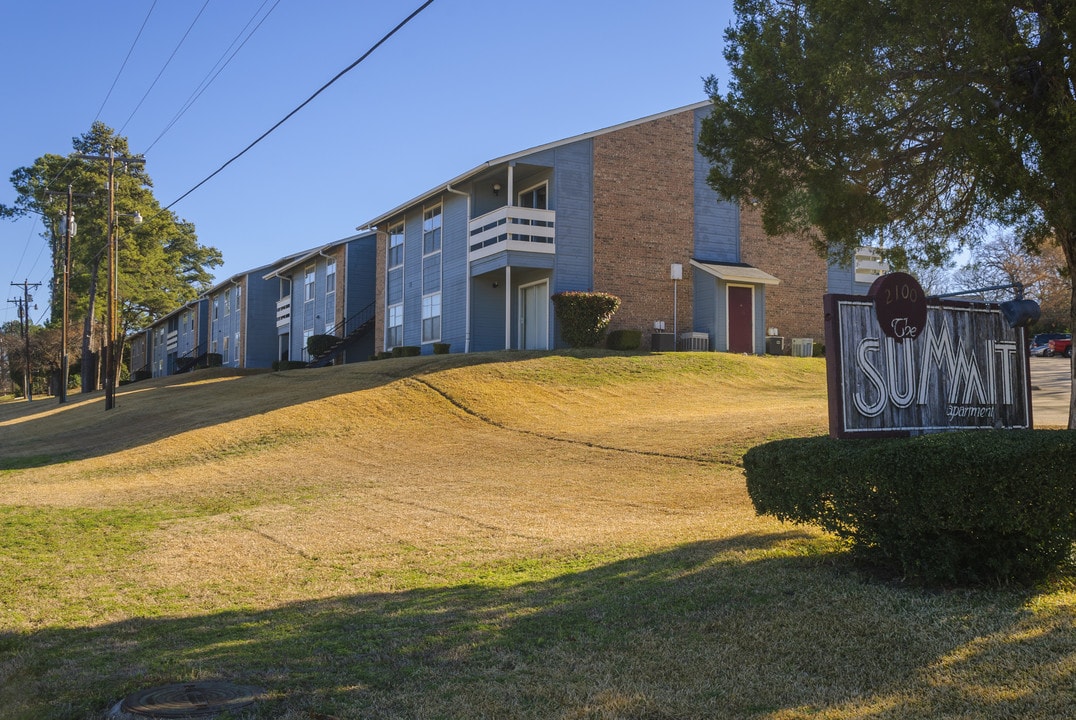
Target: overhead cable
(207,80)
(124,64)
(165,67)
(306,102)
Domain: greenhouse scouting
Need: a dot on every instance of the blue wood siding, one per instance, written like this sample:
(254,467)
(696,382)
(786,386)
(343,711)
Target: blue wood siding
(487,319)
(259,306)
(717,220)
(704,306)
(840,279)
(360,279)
(573,197)
(454,271)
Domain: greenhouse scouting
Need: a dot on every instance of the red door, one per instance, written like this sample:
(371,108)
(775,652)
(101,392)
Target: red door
(741,319)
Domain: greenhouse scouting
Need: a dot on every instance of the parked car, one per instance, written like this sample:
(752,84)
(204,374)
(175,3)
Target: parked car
(1040,344)
(1062,347)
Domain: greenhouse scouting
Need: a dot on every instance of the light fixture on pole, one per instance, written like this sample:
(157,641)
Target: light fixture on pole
(1017,312)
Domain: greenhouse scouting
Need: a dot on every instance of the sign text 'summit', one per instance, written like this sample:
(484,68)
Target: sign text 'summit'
(964,369)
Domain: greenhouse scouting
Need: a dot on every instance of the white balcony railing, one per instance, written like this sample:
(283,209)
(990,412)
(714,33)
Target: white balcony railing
(283,311)
(171,341)
(512,228)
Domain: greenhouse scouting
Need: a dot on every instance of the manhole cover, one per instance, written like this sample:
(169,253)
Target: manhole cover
(189,700)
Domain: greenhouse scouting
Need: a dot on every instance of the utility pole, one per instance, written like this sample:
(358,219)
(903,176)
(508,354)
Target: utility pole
(67,227)
(113,343)
(24,315)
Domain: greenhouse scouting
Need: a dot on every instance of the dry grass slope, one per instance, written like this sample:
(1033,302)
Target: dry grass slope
(485,536)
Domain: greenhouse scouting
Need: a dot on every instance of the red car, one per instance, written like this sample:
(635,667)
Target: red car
(1059,347)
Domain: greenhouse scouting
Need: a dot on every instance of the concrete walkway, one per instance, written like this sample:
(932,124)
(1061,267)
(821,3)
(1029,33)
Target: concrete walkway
(1051,386)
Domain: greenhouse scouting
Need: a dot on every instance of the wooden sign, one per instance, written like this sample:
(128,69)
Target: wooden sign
(963,368)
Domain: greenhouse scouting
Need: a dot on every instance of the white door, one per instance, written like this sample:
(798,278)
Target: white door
(534,316)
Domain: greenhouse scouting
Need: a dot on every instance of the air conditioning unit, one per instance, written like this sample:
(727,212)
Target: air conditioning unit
(802,347)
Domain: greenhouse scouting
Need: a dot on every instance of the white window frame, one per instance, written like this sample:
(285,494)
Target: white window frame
(433,219)
(396,240)
(531,189)
(310,280)
(330,295)
(391,310)
(428,302)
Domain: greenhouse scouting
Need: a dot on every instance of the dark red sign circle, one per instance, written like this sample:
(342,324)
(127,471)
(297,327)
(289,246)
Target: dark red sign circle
(900,305)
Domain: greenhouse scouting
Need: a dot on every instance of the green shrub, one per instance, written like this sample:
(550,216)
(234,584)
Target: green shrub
(584,316)
(319,344)
(384,355)
(624,340)
(406,351)
(142,375)
(288,365)
(973,507)
(212,360)
(441,348)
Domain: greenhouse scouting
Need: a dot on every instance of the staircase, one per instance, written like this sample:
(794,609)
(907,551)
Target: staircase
(189,361)
(348,332)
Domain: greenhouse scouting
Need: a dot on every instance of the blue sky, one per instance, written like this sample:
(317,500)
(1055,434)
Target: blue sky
(466,81)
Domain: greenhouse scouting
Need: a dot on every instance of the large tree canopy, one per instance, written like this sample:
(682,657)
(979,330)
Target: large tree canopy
(161,263)
(911,123)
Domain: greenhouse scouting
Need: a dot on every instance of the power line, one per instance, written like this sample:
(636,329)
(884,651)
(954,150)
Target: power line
(306,102)
(207,80)
(124,64)
(166,64)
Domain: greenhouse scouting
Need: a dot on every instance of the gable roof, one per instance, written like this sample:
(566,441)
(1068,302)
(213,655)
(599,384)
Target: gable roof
(303,257)
(517,155)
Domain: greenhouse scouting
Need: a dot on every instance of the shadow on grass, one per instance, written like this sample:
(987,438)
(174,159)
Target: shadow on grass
(749,627)
(43,432)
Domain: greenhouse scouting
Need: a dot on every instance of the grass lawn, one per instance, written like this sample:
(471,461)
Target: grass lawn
(505,535)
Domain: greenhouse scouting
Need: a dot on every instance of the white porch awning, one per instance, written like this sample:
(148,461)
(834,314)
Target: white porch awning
(736,272)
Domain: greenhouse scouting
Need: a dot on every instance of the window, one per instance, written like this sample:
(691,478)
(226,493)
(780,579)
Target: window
(431,318)
(224,348)
(228,301)
(308,282)
(431,230)
(285,289)
(534,197)
(394,336)
(396,240)
(235,347)
(216,308)
(307,334)
(330,275)
(330,295)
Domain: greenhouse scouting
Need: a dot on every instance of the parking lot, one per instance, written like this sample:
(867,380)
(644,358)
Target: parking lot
(1051,386)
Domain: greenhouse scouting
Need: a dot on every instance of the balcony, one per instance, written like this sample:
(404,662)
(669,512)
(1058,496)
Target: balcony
(171,341)
(512,228)
(283,311)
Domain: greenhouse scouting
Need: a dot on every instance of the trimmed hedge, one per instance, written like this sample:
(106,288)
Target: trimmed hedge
(288,365)
(317,345)
(584,316)
(624,340)
(441,348)
(406,351)
(966,508)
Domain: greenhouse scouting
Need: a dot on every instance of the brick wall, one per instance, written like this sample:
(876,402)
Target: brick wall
(795,306)
(644,220)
